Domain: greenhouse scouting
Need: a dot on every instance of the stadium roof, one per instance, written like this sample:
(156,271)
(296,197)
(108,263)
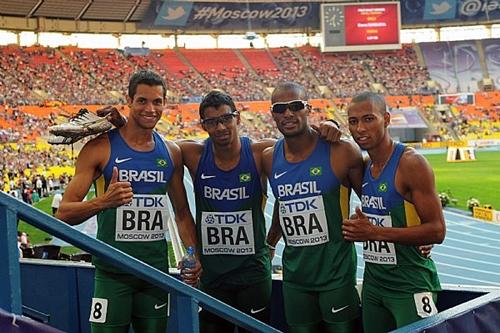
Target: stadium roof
(101,10)
(106,10)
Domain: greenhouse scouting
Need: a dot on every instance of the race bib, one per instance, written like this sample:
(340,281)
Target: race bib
(425,304)
(227,233)
(303,221)
(98,310)
(144,219)
(379,252)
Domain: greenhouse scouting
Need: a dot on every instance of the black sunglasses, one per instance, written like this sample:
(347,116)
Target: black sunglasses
(293,106)
(224,120)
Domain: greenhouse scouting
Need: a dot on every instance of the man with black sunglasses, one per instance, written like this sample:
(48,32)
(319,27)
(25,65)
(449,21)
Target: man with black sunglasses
(230,223)
(312,180)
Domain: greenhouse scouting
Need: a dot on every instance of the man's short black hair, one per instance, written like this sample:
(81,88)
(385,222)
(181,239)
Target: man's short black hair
(145,77)
(215,99)
(376,100)
(289,85)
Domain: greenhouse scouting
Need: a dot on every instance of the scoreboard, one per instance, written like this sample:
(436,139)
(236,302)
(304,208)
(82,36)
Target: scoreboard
(358,27)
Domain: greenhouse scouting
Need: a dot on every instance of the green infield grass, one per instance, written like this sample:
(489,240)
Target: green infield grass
(479,179)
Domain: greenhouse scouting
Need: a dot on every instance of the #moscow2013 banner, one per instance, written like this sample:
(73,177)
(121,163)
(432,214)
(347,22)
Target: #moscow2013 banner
(231,16)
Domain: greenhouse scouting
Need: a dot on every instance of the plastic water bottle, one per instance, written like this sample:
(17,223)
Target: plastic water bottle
(188,262)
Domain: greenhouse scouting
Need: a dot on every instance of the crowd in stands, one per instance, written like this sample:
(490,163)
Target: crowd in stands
(16,125)
(69,75)
(24,170)
(399,72)
(33,75)
(342,74)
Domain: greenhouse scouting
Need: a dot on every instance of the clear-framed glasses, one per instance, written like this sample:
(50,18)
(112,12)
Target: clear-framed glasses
(225,120)
(294,106)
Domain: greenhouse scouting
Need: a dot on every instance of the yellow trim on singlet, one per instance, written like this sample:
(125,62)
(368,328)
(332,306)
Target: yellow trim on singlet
(99,185)
(412,218)
(344,201)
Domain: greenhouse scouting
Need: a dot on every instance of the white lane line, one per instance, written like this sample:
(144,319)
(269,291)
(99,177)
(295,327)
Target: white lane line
(468,234)
(477,226)
(468,269)
(437,254)
(470,251)
(458,240)
(461,277)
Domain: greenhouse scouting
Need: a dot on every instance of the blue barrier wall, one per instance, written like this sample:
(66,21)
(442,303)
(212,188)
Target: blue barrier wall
(481,315)
(61,291)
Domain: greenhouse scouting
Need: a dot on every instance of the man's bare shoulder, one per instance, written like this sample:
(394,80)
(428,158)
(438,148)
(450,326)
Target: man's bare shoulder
(346,148)
(412,160)
(268,152)
(190,145)
(100,142)
(172,146)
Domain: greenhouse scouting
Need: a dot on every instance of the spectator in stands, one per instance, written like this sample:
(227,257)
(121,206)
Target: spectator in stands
(311,181)
(398,212)
(116,160)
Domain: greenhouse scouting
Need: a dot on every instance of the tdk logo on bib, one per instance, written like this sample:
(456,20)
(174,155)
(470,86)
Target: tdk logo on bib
(380,252)
(227,233)
(144,219)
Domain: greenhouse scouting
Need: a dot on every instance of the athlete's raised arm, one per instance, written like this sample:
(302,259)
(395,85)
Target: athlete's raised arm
(421,192)
(89,165)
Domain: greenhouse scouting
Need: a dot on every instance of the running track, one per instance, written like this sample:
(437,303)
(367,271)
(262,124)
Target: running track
(469,256)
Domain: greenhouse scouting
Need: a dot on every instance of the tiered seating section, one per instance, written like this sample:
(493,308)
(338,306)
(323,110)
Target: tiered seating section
(99,76)
(39,76)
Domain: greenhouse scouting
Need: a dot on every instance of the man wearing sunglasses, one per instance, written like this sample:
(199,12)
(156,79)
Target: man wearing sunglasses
(230,224)
(312,180)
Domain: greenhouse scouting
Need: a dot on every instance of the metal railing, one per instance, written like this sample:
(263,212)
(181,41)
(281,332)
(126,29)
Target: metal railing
(188,298)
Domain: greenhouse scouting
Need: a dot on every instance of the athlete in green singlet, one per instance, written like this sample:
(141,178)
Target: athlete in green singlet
(312,182)
(133,169)
(400,209)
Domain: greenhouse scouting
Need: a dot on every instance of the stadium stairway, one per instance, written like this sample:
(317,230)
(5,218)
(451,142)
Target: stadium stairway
(250,69)
(59,293)
(186,61)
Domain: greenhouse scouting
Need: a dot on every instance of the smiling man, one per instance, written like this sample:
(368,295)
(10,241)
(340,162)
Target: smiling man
(312,180)
(226,172)
(400,209)
(133,169)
